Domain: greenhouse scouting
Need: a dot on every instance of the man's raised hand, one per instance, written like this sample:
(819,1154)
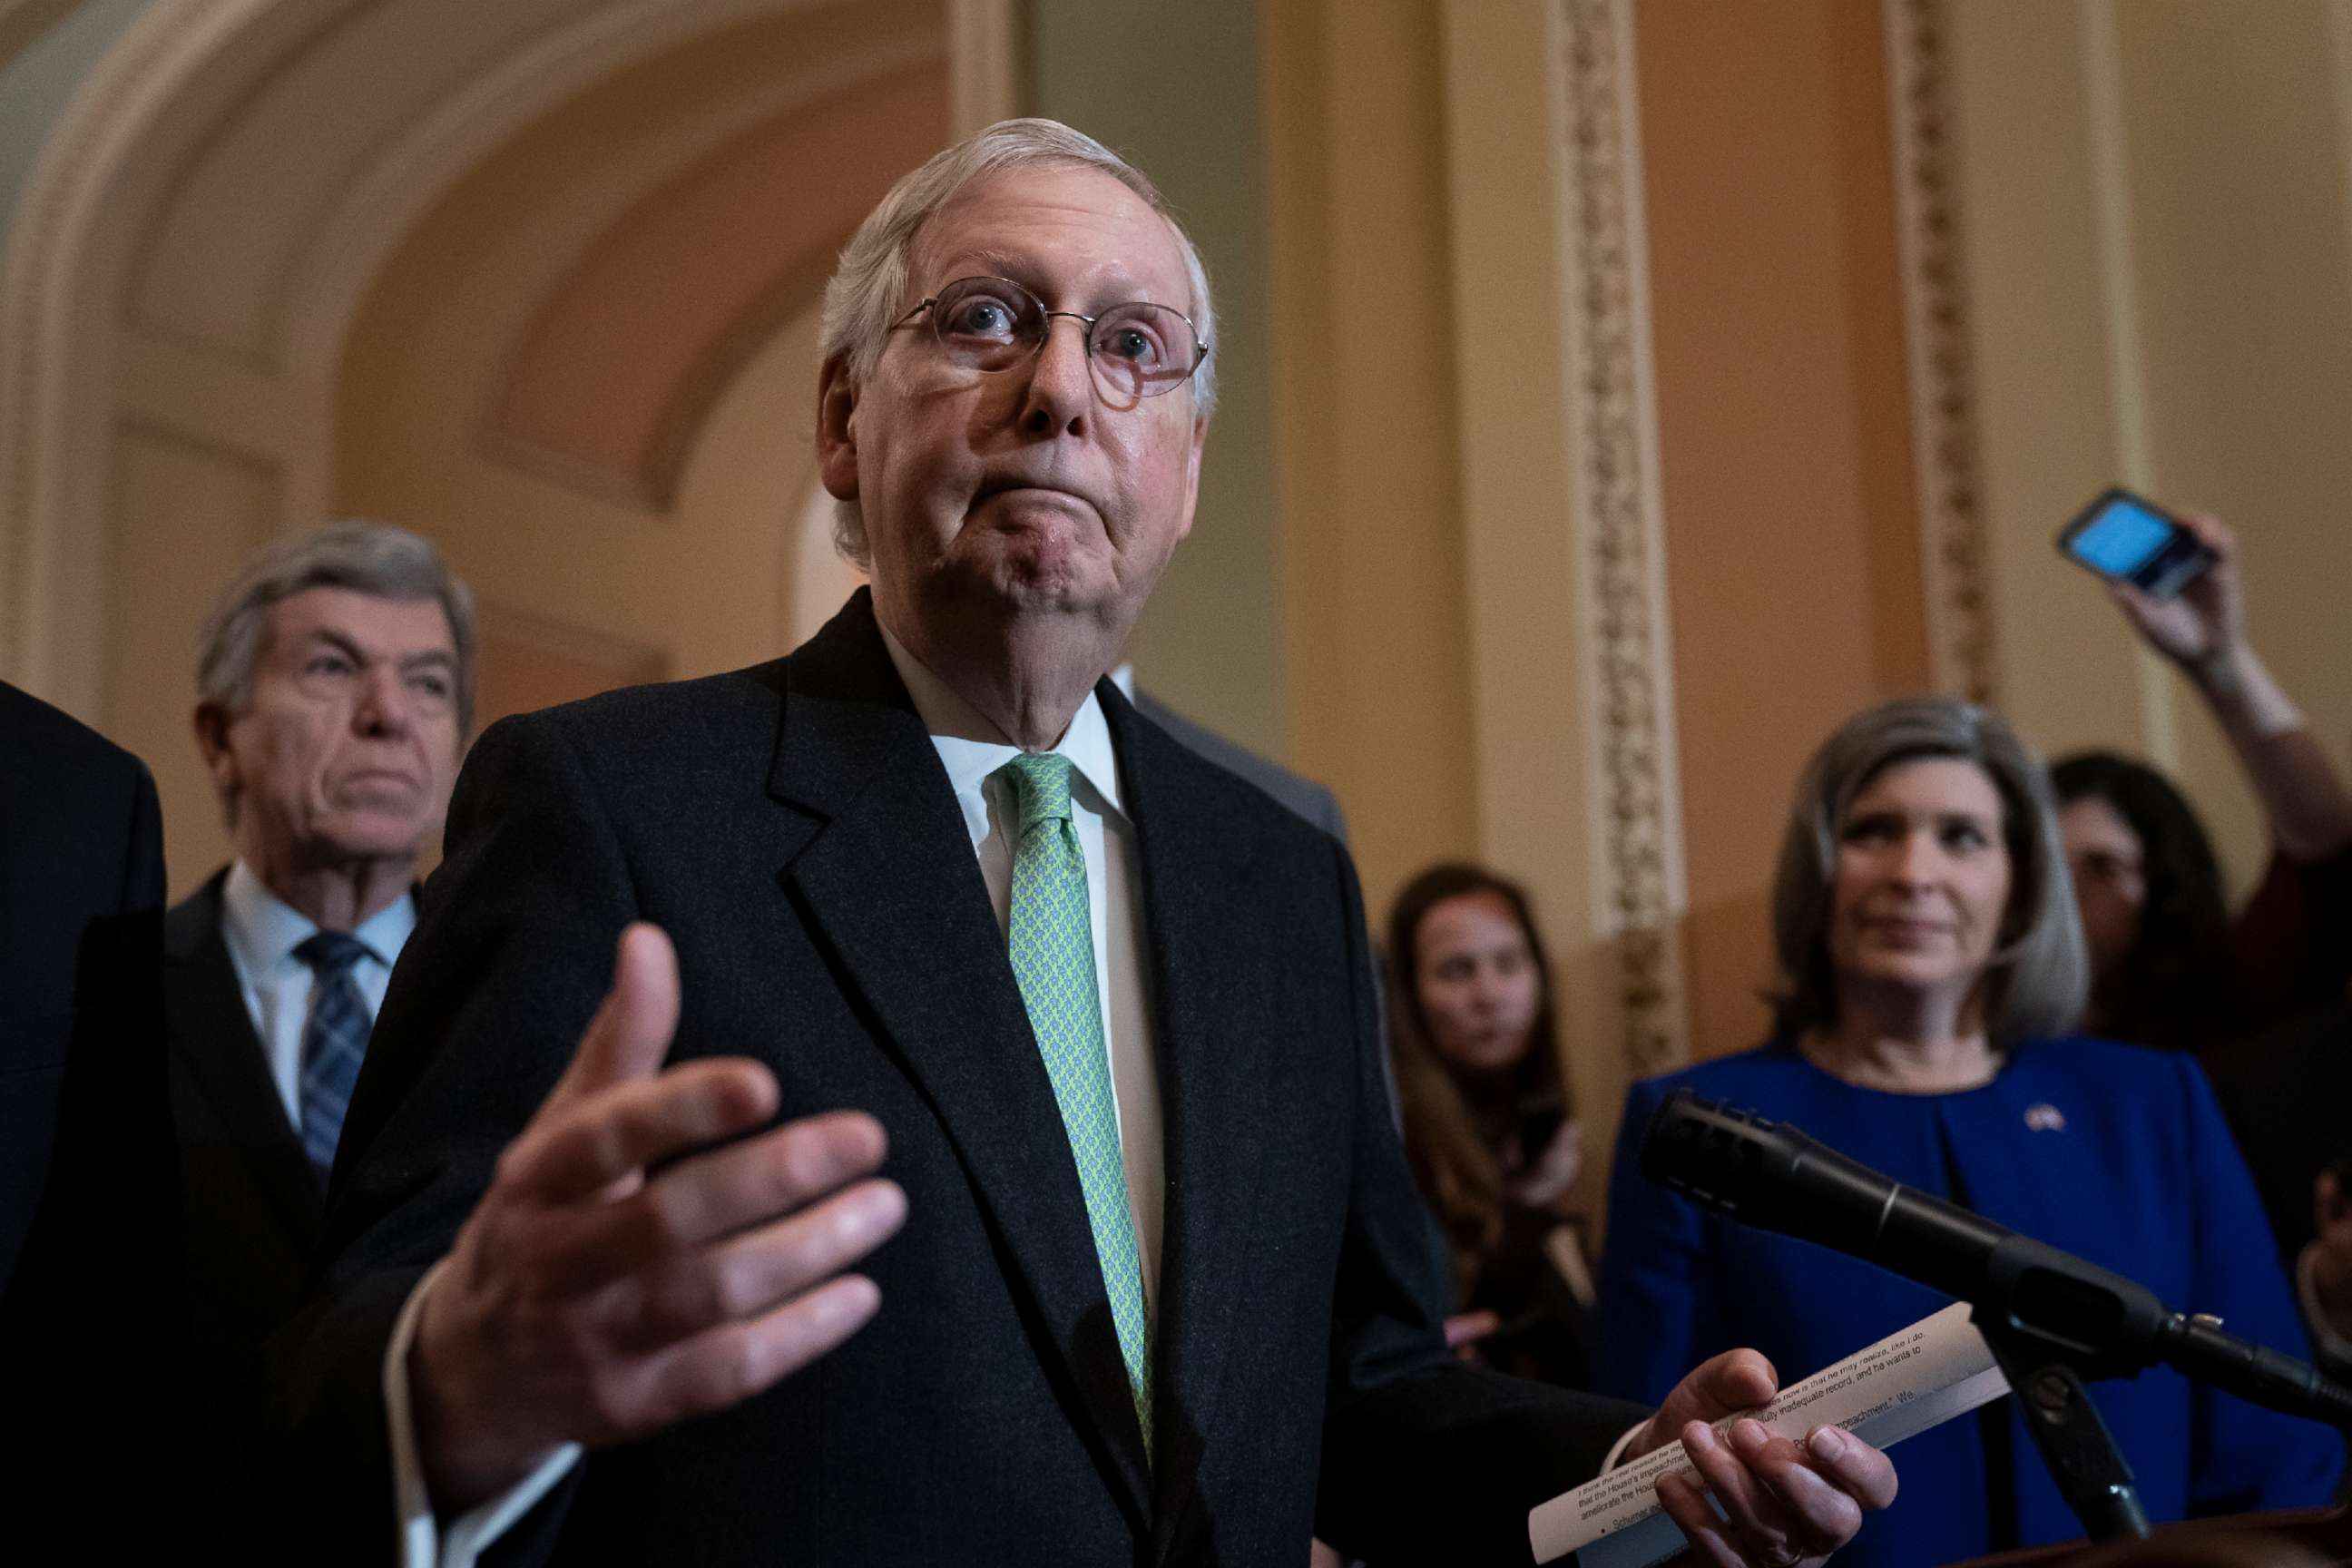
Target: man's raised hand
(591,1297)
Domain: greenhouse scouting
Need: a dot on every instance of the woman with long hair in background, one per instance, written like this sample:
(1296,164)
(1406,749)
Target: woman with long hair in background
(1489,1125)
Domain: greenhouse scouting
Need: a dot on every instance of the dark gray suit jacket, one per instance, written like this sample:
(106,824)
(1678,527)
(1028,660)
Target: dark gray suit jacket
(792,829)
(251,1205)
(92,1341)
(1308,799)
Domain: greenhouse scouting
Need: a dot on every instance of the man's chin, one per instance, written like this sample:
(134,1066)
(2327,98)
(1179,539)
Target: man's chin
(363,835)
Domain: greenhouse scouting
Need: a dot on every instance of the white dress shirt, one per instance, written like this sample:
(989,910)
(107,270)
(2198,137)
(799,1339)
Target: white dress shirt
(261,932)
(972,749)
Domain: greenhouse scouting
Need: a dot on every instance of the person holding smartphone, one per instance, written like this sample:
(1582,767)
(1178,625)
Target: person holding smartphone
(2169,966)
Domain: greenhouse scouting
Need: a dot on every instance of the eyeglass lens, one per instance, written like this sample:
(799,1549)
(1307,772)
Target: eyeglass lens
(1137,350)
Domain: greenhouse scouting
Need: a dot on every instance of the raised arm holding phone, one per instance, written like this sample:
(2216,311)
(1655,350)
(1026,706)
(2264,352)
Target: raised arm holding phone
(2170,964)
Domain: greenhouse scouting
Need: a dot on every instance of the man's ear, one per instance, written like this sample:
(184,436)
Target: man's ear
(211,725)
(836,429)
(1193,475)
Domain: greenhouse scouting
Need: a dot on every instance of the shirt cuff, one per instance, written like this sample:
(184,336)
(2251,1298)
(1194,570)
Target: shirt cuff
(1616,1453)
(423,1542)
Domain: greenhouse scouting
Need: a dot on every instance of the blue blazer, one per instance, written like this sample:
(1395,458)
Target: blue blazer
(2135,1171)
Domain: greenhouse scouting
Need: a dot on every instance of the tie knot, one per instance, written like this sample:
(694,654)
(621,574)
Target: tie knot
(331,952)
(1041,786)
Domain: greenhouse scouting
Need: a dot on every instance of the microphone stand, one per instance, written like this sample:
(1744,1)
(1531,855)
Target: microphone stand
(2051,1320)
(2075,1444)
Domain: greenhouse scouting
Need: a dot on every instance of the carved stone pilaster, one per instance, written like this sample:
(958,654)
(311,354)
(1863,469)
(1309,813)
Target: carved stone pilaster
(1615,443)
(1944,429)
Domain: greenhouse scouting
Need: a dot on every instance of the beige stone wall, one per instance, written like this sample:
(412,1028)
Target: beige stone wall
(1576,472)
(2159,210)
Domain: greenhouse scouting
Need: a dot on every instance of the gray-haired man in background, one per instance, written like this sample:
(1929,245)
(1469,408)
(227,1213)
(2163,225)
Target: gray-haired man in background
(333,694)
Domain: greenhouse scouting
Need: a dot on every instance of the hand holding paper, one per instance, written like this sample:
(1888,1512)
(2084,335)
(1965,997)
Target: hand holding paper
(1781,1504)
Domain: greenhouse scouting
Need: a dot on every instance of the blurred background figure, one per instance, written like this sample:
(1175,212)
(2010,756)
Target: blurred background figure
(2324,1268)
(91,1326)
(1933,967)
(1488,1126)
(333,694)
(2261,995)
(2168,966)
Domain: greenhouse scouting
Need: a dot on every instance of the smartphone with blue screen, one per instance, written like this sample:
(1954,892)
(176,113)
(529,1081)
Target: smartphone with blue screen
(2129,539)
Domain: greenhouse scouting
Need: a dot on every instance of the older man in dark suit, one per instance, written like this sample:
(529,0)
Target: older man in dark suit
(333,689)
(1161,1291)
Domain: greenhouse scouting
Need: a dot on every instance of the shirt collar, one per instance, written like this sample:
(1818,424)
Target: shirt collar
(263,930)
(972,748)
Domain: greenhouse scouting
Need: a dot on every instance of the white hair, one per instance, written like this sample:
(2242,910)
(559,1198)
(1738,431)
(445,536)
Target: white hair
(867,290)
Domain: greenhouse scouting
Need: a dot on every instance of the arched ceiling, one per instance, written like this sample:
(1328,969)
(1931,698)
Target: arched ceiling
(670,179)
(612,375)
(307,173)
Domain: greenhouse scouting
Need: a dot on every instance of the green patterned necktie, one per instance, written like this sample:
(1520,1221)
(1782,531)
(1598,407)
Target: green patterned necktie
(1053,947)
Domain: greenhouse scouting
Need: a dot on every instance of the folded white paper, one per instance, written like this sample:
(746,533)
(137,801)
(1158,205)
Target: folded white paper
(1937,1368)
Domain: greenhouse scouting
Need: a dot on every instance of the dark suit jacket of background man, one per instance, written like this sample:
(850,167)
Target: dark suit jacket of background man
(1303,796)
(792,827)
(92,1336)
(251,1204)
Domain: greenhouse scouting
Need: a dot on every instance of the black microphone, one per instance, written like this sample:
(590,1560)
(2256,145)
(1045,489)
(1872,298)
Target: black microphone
(2105,1325)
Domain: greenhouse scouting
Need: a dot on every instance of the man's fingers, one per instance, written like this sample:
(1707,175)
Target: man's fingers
(631,1032)
(1757,1517)
(733,1363)
(577,1150)
(696,1200)
(1840,1459)
(745,1276)
(1736,1380)
(1686,1506)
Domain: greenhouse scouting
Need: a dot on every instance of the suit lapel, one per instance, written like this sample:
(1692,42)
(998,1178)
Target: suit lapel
(890,883)
(1209,980)
(211,1034)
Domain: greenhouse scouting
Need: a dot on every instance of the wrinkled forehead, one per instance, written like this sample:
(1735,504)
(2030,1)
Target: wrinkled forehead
(373,623)
(1071,234)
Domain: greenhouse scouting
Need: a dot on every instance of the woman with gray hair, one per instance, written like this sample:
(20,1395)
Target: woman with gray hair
(1932,964)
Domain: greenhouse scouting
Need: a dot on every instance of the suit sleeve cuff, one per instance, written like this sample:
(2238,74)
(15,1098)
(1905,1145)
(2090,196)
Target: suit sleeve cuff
(424,1544)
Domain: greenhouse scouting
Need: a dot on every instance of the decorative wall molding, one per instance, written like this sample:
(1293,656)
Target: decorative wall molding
(1637,799)
(1946,463)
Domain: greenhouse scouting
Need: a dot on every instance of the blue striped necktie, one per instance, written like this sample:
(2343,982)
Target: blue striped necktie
(1050,932)
(334,1039)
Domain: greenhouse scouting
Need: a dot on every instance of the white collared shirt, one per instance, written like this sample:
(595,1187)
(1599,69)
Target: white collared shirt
(261,932)
(972,750)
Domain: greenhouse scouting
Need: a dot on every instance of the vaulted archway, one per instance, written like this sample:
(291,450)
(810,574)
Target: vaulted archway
(535,279)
